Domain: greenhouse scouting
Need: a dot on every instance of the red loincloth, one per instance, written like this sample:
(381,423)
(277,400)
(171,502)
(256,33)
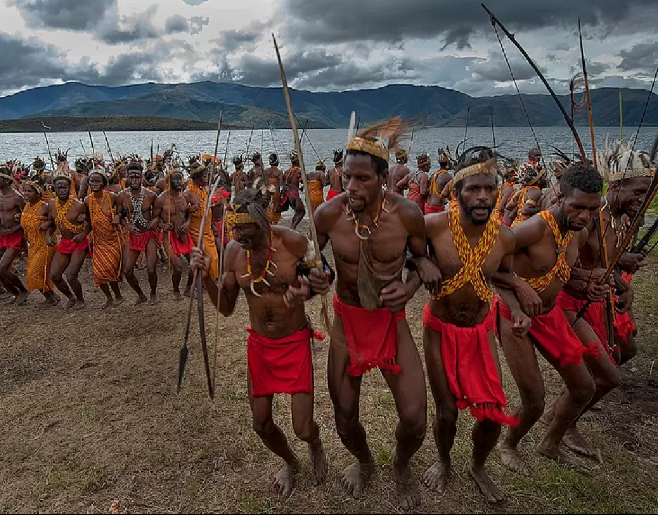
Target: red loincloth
(553,333)
(12,241)
(470,367)
(288,194)
(594,316)
(282,365)
(332,193)
(68,247)
(372,337)
(433,209)
(178,247)
(624,324)
(138,243)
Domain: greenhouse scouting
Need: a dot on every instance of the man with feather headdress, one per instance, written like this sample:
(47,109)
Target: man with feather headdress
(629,175)
(371,230)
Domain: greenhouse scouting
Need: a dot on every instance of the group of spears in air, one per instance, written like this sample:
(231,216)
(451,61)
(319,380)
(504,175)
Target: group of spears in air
(512,260)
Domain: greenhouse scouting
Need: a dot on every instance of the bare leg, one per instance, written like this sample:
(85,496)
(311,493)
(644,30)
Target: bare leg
(108,296)
(275,441)
(485,436)
(522,361)
(176,266)
(72,272)
(118,298)
(151,263)
(300,211)
(444,427)
(129,259)
(345,391)
(57,267)
(409,391)
(9,278)
(188,284)
(307,430)
(49,299)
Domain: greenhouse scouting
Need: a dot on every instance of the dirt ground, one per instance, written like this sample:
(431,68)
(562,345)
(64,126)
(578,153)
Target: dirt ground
(90,414)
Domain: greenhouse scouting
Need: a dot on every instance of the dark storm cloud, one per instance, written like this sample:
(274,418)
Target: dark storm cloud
(127,29)
(454,20)
(232,40)
(642,56)
(495,69)
(63,14)
(197,23)
(176,24)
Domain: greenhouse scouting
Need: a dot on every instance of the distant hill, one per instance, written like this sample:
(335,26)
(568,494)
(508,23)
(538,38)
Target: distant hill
(250,106)
(107,123)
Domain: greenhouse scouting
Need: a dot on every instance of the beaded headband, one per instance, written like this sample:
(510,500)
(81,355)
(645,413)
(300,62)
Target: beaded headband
(489,167)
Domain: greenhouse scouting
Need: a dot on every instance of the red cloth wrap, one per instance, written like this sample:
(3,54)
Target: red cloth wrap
(223,238)
(138,243)
(624,325)
(434,209)
(287,195)
(594,316)
(282,365)
(68,247)
(470,367)
(178,247)
(372,337)
(12,241)
(554,334)
(332,193)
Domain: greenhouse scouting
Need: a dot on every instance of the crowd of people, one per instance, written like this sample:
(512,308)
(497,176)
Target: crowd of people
(507,264)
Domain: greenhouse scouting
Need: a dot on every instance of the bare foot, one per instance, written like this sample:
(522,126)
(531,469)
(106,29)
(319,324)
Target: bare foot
(154,300)
(510,457)
(575,442)
(436,477)
(488,488)
(56,297)
(118,301)
(72,302)
(559,456)
(48,301)
(284,480)
(406,486)
(80,305)
(186,292)
(177,296)
(108,303)
(21,297)
(355,478)
(319,464)
(140,300)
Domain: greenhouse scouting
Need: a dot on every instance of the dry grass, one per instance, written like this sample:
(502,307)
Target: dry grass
(90,414)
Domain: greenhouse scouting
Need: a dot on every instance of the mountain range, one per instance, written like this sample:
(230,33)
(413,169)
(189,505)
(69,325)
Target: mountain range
(245,106)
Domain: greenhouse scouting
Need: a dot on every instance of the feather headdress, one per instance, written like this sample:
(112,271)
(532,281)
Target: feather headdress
(380,139)
(621,162)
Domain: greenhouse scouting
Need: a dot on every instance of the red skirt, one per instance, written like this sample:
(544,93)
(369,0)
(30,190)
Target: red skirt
(594,316)
(282,365)
(372,337)
(178,247)
(68,247)
(470,367)
(12,241)
(138,243)
(433,209)
(553,333)
(332,193)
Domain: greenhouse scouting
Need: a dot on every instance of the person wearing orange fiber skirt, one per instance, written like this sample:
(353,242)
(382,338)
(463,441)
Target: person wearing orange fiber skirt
(108,238)
(34,219)
(265,261)
(371,230)
(317,180)
(547,247)
(468,244)
(417,182)
(437,182)
(172,208)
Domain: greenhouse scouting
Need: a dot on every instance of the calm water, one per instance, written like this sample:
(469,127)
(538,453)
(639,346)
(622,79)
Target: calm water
(511,141)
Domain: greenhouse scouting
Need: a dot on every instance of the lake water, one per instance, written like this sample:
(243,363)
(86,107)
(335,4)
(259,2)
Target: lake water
(511,142)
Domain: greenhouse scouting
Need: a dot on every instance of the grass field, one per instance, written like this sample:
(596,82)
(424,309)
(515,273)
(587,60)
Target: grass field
(90,414)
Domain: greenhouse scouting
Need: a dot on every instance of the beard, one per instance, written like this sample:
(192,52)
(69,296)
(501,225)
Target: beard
(468,211)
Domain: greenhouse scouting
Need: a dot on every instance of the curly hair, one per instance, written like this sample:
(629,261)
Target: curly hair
(581,177)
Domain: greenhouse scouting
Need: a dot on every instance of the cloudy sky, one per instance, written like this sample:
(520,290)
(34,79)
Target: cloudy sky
(326,45)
